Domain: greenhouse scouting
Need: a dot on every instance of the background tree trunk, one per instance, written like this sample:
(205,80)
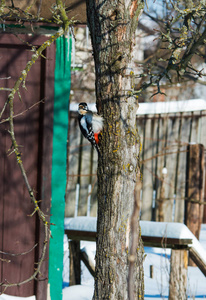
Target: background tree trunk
(112,27)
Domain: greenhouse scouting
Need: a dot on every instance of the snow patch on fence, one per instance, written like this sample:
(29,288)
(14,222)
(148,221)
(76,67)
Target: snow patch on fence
(153,108)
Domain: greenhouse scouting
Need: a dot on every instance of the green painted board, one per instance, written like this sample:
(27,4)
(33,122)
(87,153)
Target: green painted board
(59,159)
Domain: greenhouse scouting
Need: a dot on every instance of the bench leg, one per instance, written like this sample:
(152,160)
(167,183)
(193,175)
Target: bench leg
(178,275)
(75,266)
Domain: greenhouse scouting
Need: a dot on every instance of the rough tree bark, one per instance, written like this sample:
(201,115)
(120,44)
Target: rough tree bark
(112,26)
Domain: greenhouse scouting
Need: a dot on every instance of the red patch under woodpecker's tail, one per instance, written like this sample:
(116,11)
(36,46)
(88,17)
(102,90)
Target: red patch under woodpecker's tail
(96,137)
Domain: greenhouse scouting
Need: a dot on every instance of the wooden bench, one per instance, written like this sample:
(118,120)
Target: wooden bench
(175,236)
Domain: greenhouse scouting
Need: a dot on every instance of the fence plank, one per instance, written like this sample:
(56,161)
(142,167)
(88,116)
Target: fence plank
(194,188)
(171,155)
(162,174)
(179,205)
(202,126)
(147,184)
(73,158)
(181,174)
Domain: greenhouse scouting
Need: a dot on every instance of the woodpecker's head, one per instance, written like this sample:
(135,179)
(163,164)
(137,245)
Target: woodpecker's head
(83,108)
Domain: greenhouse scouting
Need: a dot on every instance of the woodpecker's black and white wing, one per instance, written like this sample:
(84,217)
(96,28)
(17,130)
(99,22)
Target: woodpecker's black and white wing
(90,123)
(85,124)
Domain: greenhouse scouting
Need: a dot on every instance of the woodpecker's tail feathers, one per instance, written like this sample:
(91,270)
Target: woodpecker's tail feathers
(98,150)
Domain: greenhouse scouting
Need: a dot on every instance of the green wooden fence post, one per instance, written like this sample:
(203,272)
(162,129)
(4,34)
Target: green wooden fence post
(59,158)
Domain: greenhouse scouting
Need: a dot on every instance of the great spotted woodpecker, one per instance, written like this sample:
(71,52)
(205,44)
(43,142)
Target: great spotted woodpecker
(90,124)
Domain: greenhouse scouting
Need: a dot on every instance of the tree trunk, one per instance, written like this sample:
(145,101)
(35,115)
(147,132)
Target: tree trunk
(112,26)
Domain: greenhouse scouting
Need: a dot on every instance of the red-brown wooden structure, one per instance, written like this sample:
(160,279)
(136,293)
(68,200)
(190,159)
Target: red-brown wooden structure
(19,232)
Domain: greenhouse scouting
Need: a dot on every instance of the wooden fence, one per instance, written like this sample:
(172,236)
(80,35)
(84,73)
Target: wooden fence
(166,131)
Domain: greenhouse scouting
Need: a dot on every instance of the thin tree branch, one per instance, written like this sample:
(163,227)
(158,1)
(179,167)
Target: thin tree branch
(19,254)
(23,112)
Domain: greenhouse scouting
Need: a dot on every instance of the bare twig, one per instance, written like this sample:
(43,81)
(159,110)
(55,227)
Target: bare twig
(23,112)
(19,254)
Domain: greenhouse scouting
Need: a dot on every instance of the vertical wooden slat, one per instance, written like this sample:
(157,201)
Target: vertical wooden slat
(194,188)
(204,196)
(170,164)
(90,183)
(85,177)
(165,126)
(162,197)
(59,163)
(191,125)
(141,126)
(2,187)
(202,126)
(93,212)
(147,184)
(154,149)
(78,184)
(179,204)
(155,173)
(72,173)
(202,180)
(162,167)
(178,153)
(166,129)
(180,186)
(47,92)
(161,176)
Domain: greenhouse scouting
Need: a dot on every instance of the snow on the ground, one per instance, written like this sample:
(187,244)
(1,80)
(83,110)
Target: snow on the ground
(77,292)
(156,288)
(8,297)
